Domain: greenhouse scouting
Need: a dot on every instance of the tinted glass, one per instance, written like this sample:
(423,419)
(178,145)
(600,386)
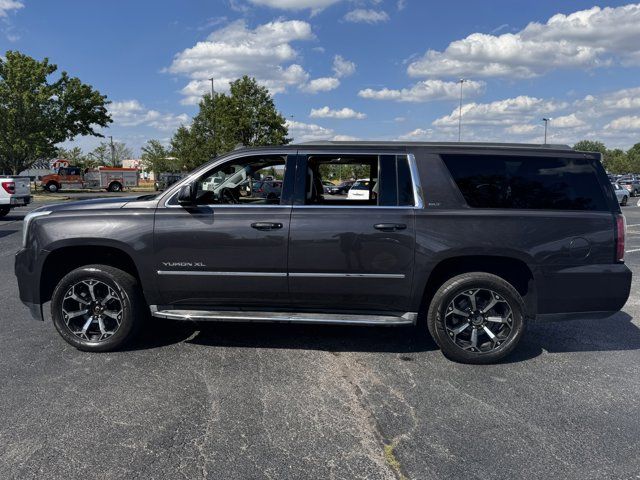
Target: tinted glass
(527,182)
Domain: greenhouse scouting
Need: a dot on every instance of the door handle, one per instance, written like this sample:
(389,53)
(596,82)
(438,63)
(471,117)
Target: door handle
(266,226)
(389,227)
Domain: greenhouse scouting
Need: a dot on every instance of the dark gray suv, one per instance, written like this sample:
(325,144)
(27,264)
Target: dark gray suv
(469,241)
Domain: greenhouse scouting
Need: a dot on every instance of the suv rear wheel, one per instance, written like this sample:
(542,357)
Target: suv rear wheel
(476,318)
(97,308)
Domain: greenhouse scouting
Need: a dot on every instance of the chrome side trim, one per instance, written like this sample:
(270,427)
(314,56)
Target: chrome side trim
(347,275)
(408,318)
(221,274)
(415,179)
(207,273)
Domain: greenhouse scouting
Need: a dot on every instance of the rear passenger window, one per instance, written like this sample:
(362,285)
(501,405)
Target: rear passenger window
(541,183)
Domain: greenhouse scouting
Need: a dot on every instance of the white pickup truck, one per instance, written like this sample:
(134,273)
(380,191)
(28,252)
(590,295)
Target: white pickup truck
(14,192)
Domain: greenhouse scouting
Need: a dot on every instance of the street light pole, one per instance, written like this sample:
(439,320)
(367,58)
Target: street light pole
(461,82)
(213,109)
(546,124)
(113,152)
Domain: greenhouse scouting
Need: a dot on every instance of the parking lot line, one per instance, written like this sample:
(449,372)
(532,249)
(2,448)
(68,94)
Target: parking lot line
(633,250)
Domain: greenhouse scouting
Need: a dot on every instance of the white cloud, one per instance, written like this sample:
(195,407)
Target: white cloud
(308,132)
(567,121)
(401,5)
(610,103)
(628,123)
(344,113)
(425,91)
(521,129)
(342,67)
(131,113)
(417,135)
(7,6)
(323,84)
(585,39)
(295,4)
(501,112)
(345,138)
(361,15)
(265,53)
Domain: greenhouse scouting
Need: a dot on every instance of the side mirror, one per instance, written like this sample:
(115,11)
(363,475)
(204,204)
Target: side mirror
(187,195)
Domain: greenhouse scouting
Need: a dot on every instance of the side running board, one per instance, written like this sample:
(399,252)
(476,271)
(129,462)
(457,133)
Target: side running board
(408,318)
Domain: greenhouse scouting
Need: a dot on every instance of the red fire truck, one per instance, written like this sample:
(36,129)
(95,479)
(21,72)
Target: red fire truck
(113,179)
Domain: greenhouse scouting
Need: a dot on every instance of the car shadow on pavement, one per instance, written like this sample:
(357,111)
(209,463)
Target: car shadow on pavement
(6,233)
(616,333)
(407,339)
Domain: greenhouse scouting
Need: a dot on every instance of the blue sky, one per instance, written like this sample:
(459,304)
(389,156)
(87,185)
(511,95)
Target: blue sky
(366,69)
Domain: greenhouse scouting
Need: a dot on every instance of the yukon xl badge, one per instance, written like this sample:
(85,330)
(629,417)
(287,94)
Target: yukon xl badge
(183,264)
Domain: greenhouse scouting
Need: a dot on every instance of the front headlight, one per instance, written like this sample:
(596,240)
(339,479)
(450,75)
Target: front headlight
(27,221)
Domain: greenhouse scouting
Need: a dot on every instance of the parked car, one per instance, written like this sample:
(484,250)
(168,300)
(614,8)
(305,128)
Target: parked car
(15,192)
(268,189)
(631,183)
(341,189)
(326,184)
(361,189)
(622,194)
(165,180)
(474,260)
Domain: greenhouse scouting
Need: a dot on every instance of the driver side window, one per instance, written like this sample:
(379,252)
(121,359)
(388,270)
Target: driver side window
(243,181)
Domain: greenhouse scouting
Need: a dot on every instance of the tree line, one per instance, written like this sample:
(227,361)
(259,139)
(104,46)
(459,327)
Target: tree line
(40,109)
(614,160)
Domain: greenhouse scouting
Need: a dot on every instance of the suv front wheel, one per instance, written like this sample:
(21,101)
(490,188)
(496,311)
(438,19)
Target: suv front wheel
(476,317)
(97,308)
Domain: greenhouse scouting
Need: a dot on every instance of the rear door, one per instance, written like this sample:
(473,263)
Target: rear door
(349,255)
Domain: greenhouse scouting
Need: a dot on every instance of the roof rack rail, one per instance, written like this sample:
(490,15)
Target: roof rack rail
(320,143)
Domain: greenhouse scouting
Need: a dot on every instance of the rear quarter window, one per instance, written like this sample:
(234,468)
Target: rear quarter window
(518,182)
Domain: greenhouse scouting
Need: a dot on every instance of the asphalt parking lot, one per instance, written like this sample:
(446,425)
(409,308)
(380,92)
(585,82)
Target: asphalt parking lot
(283,401)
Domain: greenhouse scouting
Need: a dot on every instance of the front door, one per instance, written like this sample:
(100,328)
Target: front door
(353,251)
(230,249)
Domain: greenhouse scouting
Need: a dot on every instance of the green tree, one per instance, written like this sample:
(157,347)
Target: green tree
(590,146)
(103,155)
(157,159)
(37,112)
(634,158)
(75,156)
(245,117)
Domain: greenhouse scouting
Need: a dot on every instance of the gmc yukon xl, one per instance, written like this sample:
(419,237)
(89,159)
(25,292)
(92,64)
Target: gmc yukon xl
(469,241)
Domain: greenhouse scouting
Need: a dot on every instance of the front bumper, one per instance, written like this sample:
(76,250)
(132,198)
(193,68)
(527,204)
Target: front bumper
(28,275)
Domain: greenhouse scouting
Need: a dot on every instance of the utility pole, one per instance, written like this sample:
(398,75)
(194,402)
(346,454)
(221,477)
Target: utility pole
(113,152)
(461,82)
(213,108)
(546,124)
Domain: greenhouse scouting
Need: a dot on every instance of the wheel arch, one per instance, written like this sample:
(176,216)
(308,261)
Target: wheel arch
(513,270)
(66,258)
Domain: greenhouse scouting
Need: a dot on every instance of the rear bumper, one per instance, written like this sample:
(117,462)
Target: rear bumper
(595,291)
(28,275)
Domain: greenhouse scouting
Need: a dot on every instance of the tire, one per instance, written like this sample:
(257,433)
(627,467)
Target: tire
(4,211)
(52,187)
(115,187)
(507,326)
(624,201)
(104,332)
